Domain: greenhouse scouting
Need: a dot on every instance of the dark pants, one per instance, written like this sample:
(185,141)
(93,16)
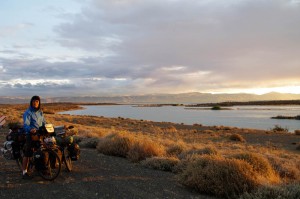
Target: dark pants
(29,146)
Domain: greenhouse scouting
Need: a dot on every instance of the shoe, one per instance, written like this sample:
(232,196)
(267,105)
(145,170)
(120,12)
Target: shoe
(26,176)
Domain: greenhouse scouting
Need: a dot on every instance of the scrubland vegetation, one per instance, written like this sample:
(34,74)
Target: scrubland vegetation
(226,162)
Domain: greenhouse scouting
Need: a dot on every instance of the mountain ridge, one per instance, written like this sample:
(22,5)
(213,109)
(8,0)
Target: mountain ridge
(183,98)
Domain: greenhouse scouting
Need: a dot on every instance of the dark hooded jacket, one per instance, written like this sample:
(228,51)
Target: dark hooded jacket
(33,118)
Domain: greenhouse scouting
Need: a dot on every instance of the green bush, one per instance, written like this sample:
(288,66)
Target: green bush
(216,108)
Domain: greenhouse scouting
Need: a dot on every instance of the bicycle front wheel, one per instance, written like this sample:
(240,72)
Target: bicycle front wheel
(52,166)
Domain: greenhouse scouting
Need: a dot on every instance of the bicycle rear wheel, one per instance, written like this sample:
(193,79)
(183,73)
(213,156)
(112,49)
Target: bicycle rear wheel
(52,166)
(19,160)
(67,160)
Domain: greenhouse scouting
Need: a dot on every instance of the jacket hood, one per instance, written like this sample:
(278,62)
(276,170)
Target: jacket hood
(35,98)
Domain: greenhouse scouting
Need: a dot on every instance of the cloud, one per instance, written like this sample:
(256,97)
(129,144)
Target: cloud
(8,31)
(211,36)
(139,46)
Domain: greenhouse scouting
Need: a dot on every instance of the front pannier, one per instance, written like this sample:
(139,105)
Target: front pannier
(74,151)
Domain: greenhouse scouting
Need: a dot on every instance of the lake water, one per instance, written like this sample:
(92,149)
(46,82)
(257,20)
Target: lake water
(257,117)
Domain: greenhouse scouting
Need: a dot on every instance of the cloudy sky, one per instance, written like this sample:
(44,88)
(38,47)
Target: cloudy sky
(129,47)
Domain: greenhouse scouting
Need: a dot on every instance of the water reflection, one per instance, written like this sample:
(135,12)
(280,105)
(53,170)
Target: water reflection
(257,117)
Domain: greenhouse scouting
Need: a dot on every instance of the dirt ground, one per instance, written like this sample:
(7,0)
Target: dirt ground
(94,176)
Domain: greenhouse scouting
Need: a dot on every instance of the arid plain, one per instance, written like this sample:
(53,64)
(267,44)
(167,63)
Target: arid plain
(204,161)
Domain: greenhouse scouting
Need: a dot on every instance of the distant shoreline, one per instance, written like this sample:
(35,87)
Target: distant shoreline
(221,104)
(287,117)
(256,103)
(179,98)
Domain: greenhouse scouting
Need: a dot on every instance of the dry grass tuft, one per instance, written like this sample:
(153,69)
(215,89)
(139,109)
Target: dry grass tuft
(89,142)
(286,168)
(290,191)
(207,131)
(176,148)
(260,165)
(143,149)
(219,176)
(209,150)
(90,133)
(237,137)
(155,130)
(170,129)
(133,147)
(161,163)
(115,144)
(47,111)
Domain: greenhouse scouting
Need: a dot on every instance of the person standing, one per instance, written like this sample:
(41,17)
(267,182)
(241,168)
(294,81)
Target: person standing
(33,119)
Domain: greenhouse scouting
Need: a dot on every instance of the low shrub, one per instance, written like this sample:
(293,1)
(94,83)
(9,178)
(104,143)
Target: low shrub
(77,139)
(90,133)
(260,165)
(219,176)
(46,111)
(280,129)
(170,129)
(155,130)
(237,137)
(286,168)
(175,149)
(290,191)
(115,144)
(89,142)
(210,150)
(297,132)
(192,155)
(216,108)
(182,165)
(144,149)
(161,163)
(209,131)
